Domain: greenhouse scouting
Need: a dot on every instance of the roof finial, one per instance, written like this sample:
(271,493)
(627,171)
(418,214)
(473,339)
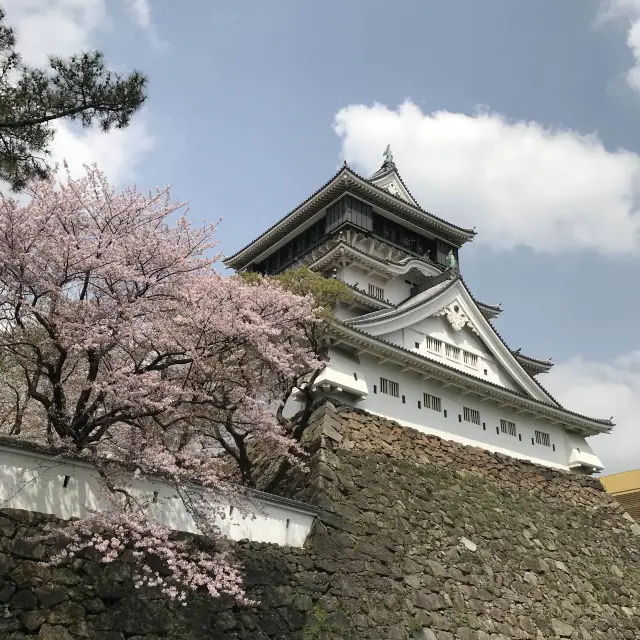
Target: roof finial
(388,156)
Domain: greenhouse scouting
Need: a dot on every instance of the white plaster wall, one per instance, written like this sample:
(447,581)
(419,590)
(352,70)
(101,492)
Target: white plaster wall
(437,327)
(450,427)
(379,250)
(575,441)
(35,482)
(395,290)
(345,363)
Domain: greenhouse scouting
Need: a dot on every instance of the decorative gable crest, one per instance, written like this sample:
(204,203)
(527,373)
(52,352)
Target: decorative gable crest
(456,318)
(392,189)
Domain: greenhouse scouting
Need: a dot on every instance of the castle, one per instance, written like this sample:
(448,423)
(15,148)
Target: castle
(396,530)
(415,345)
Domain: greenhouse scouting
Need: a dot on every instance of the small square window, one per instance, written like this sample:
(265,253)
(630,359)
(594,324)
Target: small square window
(355,375)
(403,400)
(520,437)
(459,418)
(445,413)
(417,345)
(375,389)
(419,405)
(486,372)
(554,447)
(498,430)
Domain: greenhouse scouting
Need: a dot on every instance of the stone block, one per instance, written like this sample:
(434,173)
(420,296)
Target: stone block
(53,632)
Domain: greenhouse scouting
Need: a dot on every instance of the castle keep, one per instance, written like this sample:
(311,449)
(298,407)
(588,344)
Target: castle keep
(416,346)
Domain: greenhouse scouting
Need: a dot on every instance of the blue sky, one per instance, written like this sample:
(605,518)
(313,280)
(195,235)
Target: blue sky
(518,118)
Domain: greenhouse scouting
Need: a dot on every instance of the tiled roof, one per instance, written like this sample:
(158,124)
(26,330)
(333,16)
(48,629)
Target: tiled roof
(382,192)
(275,224)
(390,167)
(424,296)
(495,307)
(536,360)
(464,284)
(470,232)
(607,424)
(429,294)
(372,258)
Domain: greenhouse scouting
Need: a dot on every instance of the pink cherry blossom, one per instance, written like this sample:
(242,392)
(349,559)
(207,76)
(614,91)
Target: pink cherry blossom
(132,350)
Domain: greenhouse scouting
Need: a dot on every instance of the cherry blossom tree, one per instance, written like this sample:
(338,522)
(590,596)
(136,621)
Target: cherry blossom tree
(132,350)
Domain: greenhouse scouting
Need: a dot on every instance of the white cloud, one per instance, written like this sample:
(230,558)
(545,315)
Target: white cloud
(64,27)
(59,27)
(141,12)
(601,389)
(116,152)
(521,184)
(629,9)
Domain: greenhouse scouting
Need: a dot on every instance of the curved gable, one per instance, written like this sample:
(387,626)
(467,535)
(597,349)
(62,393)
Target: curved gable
(453,303)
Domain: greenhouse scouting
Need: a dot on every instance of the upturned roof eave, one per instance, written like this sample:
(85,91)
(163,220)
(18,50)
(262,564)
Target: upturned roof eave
(461,234)
(390,266)
(585,424)
(493,310)
(540,366)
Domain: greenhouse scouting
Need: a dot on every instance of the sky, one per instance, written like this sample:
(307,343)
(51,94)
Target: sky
(517,118)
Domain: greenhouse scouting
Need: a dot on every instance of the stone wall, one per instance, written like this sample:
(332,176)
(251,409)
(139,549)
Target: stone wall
(417,538)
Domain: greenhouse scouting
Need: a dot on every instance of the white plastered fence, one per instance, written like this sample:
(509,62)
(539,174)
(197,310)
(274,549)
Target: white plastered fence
(35,481)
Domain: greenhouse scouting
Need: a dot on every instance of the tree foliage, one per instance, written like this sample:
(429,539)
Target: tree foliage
(132,349)
(328,294)
(80,88)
